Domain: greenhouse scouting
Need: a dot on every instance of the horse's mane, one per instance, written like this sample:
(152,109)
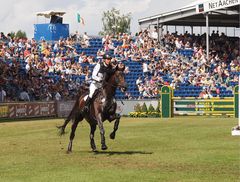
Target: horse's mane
(107,77)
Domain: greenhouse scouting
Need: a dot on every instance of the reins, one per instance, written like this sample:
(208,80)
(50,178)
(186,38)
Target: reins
(113,85)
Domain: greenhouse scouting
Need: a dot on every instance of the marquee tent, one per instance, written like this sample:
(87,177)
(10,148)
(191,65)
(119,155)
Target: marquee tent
(225,14)
(209,13)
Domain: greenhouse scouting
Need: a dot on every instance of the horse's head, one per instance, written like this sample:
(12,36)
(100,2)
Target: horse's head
(119,80)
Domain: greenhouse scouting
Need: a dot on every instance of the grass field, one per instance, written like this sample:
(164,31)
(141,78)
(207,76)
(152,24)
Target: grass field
(179,149)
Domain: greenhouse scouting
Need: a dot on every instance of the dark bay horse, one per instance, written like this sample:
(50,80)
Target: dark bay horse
(103,107)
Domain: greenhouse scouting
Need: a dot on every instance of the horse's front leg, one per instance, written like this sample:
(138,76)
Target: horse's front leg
(116,123)
(92,142)
(102,132)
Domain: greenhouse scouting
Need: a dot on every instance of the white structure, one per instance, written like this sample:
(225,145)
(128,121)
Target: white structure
(209,13)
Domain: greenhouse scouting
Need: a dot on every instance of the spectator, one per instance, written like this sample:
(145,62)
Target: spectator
(86,39)
(145,69)
(77,36)
(58,96)
(128,96)
(24,96)
(139,81)
(2,95)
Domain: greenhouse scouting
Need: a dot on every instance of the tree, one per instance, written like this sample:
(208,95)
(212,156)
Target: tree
(137,108)
(151,108)
(114,22)
(12,34)
(20,34)
(158,107)
(144,107)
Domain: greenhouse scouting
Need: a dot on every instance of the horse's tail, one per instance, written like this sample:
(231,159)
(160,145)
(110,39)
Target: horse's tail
(67,120)
(72,114)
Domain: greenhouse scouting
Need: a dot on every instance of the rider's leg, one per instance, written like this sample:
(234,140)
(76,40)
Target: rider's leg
(92,89)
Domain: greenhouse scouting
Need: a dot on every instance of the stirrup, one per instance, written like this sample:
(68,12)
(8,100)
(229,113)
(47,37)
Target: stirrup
(85,109)
(87,105)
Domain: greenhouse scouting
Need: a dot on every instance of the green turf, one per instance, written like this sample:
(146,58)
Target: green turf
(179,149)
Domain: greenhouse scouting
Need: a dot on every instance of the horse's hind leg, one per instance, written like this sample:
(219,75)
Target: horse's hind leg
(117,117)
(92,142)
(74,127)
(72,135)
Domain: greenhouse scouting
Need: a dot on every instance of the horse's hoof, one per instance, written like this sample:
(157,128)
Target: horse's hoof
(94,150)
(104,147)
(112,136)
(69,152)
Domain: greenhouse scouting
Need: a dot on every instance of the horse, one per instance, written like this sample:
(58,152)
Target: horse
(102,107)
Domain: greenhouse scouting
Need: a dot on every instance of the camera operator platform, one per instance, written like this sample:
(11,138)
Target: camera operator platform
(54,30)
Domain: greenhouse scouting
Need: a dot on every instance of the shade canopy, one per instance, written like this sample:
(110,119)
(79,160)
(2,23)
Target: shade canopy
(189,16)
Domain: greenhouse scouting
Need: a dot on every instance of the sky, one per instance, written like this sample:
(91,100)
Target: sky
(21,14)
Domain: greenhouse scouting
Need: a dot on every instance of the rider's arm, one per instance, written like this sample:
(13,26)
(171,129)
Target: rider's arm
(95,73)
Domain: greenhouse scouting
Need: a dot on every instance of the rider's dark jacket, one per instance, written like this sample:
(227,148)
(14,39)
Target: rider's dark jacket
(101,70)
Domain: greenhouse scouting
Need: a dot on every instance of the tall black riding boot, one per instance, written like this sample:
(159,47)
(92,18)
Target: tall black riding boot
(87,104)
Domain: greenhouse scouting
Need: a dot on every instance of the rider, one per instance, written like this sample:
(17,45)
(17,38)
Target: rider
(100,71)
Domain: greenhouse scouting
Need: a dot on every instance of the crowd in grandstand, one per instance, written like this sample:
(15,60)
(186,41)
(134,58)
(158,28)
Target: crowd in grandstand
(27,66)
(165,60)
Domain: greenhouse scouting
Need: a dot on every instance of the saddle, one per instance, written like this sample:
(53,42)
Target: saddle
(109,107)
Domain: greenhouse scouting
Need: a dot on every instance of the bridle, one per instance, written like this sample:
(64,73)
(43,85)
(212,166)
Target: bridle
(114,85)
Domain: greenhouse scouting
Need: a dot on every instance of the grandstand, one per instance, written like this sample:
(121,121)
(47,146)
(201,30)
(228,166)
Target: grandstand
(182,61)
(183,88)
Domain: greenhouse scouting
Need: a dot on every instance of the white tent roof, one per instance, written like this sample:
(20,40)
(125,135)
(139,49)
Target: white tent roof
(188,16)
(48,14)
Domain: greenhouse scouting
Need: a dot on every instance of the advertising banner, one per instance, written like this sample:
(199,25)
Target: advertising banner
(27,109)
(215,5)
(214,106)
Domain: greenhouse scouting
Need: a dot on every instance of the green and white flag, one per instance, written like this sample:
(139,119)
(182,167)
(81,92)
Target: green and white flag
(80,19)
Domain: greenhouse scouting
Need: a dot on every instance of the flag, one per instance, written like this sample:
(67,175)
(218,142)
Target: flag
(80,19)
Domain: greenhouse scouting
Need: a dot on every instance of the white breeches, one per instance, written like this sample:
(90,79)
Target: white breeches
(93,86)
